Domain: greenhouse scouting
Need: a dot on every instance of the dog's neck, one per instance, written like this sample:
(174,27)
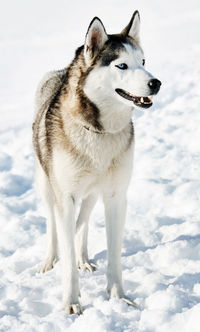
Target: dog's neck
(113,115)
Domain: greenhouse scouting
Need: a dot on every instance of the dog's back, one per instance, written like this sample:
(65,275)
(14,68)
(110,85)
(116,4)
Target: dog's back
(48,88)
(46,95)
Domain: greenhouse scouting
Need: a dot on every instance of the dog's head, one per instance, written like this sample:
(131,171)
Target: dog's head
(116,66)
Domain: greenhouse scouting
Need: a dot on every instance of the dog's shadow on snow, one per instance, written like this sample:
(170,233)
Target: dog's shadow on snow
(102,255)
(133,246)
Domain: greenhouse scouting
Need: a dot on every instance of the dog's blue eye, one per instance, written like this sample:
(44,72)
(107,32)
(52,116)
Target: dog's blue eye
(122,66)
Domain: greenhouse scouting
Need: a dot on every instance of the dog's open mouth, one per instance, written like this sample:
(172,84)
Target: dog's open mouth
(144,102)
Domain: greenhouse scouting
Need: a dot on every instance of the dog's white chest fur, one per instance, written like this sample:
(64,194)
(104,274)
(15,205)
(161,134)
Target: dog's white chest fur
(96,157)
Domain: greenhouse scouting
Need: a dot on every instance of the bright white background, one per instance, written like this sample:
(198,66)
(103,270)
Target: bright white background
(161,249)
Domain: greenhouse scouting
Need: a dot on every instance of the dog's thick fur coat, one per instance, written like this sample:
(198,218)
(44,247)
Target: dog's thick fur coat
(83,139)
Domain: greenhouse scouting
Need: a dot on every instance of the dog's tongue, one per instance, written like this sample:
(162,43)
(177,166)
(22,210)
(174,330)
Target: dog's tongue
(144,100)
(147,99)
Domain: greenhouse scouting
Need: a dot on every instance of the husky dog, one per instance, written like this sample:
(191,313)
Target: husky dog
(83,139)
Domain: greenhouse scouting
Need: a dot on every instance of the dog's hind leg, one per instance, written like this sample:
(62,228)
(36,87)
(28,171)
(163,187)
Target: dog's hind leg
(49,202)
(82,234)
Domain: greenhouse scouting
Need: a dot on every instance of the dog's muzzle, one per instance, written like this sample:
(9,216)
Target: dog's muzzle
(143,102)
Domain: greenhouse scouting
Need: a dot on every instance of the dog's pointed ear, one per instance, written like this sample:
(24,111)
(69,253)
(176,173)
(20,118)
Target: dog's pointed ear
(133,28)
(95,39)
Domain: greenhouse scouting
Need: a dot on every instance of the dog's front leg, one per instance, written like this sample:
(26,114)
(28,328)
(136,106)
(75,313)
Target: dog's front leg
(115,213)
(82,234)
(66,233)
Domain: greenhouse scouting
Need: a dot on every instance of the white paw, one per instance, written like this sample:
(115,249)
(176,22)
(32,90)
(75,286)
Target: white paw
(87,266)
(129,302)
(47,265)
(73,309)
(116,291)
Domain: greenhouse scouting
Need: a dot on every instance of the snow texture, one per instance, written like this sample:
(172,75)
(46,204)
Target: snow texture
(161,248)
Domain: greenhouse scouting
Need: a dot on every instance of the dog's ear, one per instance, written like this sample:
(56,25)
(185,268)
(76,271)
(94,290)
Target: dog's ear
(95,39)
(133,28)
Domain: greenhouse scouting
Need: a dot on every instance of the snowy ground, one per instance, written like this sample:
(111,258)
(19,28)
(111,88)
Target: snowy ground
(161,249)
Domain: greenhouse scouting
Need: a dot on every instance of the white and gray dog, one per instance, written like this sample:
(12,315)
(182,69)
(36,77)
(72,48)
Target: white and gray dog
(83,139)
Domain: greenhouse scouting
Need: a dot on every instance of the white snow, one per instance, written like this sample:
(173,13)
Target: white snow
(161,248)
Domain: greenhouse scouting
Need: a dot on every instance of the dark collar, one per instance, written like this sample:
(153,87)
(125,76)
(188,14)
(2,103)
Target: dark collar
(94,131)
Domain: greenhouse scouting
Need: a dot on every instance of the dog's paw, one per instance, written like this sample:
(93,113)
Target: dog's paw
(87,266)
(73,309)
(116,291)
(47,265)
(129,302)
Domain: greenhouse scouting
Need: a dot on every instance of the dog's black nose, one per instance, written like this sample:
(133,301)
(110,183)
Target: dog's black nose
(154,85)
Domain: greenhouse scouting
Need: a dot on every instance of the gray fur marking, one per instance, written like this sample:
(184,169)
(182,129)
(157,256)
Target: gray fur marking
(48,88)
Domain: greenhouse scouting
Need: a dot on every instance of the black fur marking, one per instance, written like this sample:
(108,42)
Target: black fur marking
(110,53)
(53,114)
(112,48)
(78,51)
(119,39)
(89,110)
